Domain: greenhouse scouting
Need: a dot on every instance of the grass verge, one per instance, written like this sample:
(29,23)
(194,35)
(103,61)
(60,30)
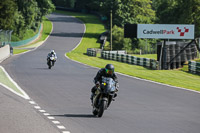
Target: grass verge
(47,27)
(94,27)
(18,51)
(5,80)
(150,56)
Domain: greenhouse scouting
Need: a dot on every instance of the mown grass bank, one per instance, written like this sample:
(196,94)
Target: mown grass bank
(94,28)
(6,81)
(47,27)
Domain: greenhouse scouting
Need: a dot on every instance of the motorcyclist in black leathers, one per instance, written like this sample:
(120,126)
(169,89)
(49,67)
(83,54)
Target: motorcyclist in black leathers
(108,71)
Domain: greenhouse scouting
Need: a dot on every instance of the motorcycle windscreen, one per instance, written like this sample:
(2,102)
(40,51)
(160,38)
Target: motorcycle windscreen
(110,84)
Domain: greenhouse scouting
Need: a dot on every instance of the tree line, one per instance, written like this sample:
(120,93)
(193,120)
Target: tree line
(23,15)
(139,11)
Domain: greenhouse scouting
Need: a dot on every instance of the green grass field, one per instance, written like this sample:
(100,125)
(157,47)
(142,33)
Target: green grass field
(94,27)
(150,56)
(18,51)
(5,80)
(47,27)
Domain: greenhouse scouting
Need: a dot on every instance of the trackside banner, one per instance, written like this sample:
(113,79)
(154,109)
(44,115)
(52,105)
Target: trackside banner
(165,31)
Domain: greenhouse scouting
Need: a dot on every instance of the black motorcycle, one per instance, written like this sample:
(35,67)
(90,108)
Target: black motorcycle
(50,61)
(103,96)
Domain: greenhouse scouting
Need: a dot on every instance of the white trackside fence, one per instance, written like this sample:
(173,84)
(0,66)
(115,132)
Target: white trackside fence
(194,67)
(150,63)
(91,52)
(122,57)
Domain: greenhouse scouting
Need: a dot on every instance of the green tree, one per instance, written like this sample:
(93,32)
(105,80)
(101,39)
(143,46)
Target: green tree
(23,15)
(119,42)
(45,7)
(165,11)
(179,12)
(117,38)
(8,9)
(129,11)
(135,11)
(20,27)
(64,3)
(30,12)
(189,13)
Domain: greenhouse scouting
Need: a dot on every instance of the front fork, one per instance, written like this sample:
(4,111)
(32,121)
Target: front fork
(101,97)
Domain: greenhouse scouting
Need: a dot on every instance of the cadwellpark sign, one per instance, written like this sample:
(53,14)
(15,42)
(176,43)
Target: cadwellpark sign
(165,31)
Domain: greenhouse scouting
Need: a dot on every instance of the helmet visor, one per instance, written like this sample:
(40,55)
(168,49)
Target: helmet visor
(109,71)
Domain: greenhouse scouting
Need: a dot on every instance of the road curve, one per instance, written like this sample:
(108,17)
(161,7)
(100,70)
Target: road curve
(64,91)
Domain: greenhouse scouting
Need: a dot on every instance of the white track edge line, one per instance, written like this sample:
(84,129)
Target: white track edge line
(140,78)
(66,132)
(25,96)
(125,74)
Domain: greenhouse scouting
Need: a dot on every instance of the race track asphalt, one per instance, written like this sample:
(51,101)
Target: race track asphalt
(64,91)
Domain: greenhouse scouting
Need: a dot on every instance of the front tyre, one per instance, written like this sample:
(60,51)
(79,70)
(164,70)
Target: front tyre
(49,64)
(95,112)
(102,107)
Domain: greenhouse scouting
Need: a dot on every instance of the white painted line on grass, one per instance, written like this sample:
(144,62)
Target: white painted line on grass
(23,95)
(139,78)
(159,83)
(125,74)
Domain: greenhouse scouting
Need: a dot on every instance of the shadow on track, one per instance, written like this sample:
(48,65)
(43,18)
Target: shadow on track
(78,35)
(43,68)
(76,115)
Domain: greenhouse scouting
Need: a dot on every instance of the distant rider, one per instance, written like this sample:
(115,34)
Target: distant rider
(52,53)
(108,71)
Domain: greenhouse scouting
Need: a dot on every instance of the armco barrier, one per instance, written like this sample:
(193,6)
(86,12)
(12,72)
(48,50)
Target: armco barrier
(150,63)
(91,52)
(194,67)
(24,42)
(4,52)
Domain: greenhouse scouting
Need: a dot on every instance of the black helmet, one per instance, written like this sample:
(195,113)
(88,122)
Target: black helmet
(109,69)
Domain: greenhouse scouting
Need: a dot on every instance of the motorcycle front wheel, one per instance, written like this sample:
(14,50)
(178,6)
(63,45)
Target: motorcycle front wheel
(102,107)
(95,112)
(49,64)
